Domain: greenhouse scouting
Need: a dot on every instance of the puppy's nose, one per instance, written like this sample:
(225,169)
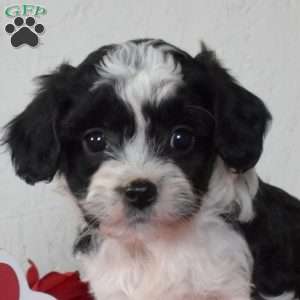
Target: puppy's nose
(141,193)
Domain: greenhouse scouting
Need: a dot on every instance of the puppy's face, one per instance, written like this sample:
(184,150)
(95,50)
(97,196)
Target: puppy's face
(135,130)
(145,163)
(143,139)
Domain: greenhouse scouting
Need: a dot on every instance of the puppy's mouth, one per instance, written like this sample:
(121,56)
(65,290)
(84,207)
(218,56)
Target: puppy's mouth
(138,219)
(135,219)
(141,227)
(145,226)
(135,216)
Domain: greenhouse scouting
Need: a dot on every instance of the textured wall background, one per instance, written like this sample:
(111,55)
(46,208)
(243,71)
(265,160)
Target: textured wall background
(258,40)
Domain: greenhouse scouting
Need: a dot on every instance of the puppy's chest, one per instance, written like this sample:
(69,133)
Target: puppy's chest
(138,276)
(174,273)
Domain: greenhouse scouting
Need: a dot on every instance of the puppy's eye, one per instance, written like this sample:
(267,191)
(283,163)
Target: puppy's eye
(182,139)
(94,140)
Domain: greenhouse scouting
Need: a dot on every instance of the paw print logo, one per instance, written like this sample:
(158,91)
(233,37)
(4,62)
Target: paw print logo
(24,34)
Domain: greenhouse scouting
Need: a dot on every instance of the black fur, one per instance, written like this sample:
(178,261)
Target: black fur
(184,109)
(274,239)
(241,117)
(32,136)
(88,241)
(99,109)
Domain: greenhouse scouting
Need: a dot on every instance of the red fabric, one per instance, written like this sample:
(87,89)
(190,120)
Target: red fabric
(62,286)
(10,288)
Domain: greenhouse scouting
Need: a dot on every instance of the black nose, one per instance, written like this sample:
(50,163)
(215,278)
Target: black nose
(141,193)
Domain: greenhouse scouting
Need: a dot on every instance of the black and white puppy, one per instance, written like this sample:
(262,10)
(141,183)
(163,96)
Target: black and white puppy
(158,148)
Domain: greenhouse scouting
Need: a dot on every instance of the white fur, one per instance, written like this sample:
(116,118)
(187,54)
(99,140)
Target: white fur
(209,260)
(202,258)
(140,72)
(228,190)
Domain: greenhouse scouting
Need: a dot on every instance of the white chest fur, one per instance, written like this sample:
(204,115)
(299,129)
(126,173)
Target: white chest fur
(209,261)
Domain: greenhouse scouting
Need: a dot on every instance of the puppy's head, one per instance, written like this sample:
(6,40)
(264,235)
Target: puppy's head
(135,130)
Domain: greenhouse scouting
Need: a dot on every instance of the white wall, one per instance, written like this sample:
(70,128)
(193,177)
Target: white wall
(258,40)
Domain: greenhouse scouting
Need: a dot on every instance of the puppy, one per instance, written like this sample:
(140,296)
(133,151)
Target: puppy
(158,148)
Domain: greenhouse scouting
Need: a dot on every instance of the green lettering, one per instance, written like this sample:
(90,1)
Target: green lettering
(12,11)
(28,9)
(40,11)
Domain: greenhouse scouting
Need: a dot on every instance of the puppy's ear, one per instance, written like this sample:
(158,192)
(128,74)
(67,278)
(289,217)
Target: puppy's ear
(32,136)
(241,117)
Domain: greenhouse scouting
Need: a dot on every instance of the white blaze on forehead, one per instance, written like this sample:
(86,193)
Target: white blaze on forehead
(140,72)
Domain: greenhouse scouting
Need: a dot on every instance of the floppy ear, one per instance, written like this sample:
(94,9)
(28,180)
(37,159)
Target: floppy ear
(241,117)
(32,136)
